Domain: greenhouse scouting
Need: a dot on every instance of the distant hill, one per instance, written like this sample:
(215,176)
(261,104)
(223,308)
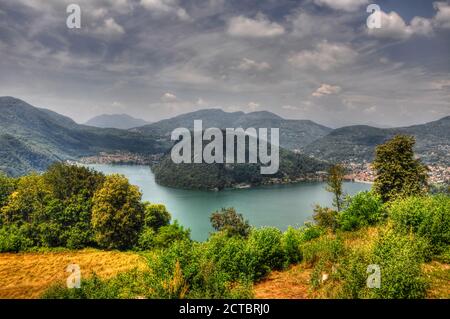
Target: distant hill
(31,138)
(357,143)
(292,167)
(120,121)
(294,134)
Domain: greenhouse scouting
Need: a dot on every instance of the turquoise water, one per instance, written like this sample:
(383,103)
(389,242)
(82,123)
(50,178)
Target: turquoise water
(279,205)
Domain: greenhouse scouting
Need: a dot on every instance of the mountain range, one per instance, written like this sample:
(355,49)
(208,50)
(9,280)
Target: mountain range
(294,134)
(120,121)
(31,138)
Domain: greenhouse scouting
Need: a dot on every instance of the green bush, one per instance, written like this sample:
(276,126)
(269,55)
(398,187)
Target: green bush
(146,239)
(363,209)
(291,240)
(156,216)
(169,234)
(325,217)
(323,248)
(426,216)
(399,257)
(265,245)
(309,232)
(14,238)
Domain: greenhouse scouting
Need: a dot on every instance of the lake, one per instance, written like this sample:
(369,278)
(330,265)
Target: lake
(279,205)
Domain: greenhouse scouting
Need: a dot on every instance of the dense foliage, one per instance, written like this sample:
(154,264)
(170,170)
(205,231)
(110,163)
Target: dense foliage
(398,172)
(75,207)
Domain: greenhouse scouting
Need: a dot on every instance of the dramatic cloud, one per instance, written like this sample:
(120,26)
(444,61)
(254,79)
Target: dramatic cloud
(442,18)
(394,27)
(344,5)
(158,58)
(326,89)
(260,27)
(325,56)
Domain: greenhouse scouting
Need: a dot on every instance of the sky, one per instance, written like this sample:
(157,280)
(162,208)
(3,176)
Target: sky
(153,59)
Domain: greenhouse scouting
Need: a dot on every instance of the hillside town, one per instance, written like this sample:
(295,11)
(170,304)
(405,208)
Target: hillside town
(363,172)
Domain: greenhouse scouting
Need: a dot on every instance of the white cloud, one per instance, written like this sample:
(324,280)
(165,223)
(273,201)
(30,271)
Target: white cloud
(168,97)
(343,5)
(260,27)
(166,7)
(394,27)
(110,28)
(326,89)
(249,65)
(325,56)
(442,18)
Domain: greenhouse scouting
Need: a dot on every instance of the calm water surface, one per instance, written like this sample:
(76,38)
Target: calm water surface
(279,205)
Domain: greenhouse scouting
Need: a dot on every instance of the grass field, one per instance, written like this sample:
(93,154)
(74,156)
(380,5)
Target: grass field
(28,275)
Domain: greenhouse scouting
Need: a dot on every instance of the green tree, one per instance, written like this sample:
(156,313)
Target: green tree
(27,202)
(66,180)
(156,216)
(230,221)
(325,217)
(117,213)
(334,184)
(398,173)
(7,186)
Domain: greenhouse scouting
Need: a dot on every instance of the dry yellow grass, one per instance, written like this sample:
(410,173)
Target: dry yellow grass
(28,275)
(289,284)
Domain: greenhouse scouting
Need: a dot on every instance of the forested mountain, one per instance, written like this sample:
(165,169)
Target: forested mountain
(357,143)
(294,134)
(31,138)
(120,121)
(292,167)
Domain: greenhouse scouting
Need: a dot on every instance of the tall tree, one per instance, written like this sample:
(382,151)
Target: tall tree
(334,184)
(398,173)
(117,213)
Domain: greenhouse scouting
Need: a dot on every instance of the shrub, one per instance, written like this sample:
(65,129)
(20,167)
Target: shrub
(231,255)
(399,257)
(231,222)
(156,216)
(146,239)
(427,216)
(267,251)
(14,238)
(325,217)
(309,232)
(323,248)
(363,209)
(169,234)
(291,240)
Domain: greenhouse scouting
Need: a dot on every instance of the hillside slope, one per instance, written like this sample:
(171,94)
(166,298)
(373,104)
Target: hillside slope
(357,143)
(32,138)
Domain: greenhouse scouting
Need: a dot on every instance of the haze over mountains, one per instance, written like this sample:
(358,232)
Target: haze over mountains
(294,134)
(120,121)
(31,138)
